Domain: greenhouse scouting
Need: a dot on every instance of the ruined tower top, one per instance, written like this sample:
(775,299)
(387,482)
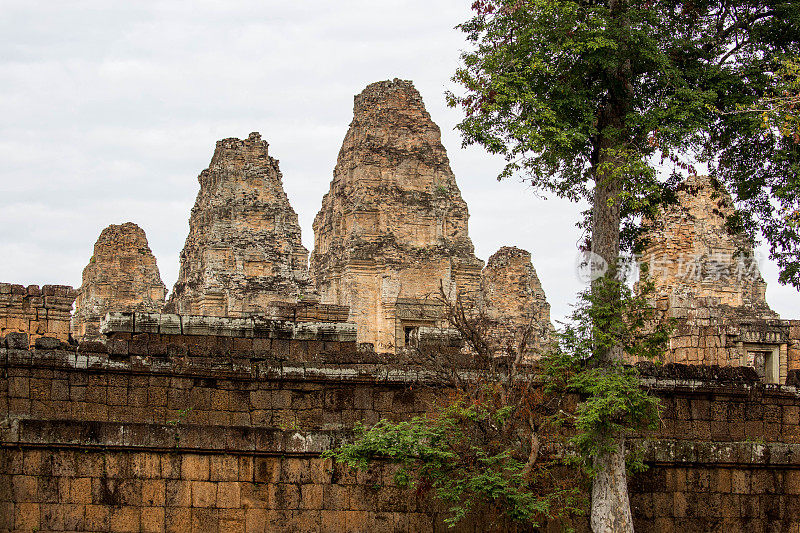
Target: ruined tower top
(392,185)
(122,275)
(515,304)
(397,96)
(691,252)
(243,251)
(393,226)
(240,150)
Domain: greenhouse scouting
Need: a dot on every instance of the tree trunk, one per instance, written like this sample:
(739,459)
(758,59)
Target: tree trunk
(611,511)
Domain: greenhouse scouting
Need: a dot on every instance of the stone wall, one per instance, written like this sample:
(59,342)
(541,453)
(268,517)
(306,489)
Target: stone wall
(122,275)
(708,333)
(127,491)
(36,312)
(95,442)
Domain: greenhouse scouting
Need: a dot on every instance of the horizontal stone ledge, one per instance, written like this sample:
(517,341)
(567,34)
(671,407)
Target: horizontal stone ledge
(686,452)
(243,440)
(718,387)
(244,327)
(170,438)
(328,368)
(238,370)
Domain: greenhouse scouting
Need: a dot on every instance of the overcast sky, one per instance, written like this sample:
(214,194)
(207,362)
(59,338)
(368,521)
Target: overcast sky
(110,109)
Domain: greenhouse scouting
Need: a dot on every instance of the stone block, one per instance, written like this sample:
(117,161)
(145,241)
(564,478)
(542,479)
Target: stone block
(117,323)
(158,349)
(246,468)
(280,349)
(266,469)
(139,348)
(153,492)
(170,466)
(27,517)
(285,496)
(90,465)
(157,396)
(177,350)
(117,347)
(256,520)
(18,387)
(295,470)
(204,494)
(73,517)
(170,324)
(224,468)
(335,497)
(195,467)
(80,490)
(47,343)
(311,496)
(740,483)
(792,482)
(177,493)
(59,390)
(24,489)
(96,517)
(232,520)
(177,520)
(306,520)
(152,520)
(52,517)
(146,322)
(94,347)
(228,495)
(16,341)
(125,519)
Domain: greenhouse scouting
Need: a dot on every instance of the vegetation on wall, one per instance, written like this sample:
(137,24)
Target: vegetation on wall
(514,439)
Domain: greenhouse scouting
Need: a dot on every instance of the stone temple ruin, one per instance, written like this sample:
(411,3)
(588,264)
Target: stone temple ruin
(709,280)
(243,252)
(122,275)
(392,231)
(209,412)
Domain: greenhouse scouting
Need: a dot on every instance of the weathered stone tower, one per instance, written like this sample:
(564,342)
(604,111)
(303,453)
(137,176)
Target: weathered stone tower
(707,278)
(515,303)
(690,251)
(122,275)
(244,250)
(393,227)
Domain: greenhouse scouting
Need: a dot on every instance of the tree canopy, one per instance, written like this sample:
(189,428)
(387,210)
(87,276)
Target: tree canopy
(558,86)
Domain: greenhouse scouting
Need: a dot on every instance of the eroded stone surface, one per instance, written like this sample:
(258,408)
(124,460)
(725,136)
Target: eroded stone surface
(690,251)
(122,275)
(35,312)
(707,280)
(515,305)
(244,250)
(393,227)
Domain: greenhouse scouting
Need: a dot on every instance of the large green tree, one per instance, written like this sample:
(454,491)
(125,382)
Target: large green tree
(590,99)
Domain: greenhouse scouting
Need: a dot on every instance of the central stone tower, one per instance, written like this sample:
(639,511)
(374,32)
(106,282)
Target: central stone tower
(393,227)
(243,252)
